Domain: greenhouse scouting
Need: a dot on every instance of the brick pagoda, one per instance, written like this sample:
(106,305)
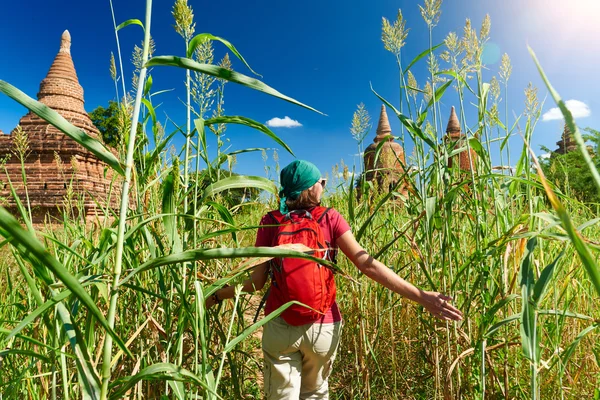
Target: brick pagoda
(390,164)
(456,139)
(566,143)
(54,161)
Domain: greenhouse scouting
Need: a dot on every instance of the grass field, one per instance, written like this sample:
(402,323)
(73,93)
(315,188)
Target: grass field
(115,308)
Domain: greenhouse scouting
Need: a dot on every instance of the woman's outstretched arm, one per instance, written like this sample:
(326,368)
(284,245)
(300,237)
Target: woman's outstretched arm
(255,282)
(436,303)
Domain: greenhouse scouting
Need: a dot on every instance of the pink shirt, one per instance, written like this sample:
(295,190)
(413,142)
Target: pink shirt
(333,226)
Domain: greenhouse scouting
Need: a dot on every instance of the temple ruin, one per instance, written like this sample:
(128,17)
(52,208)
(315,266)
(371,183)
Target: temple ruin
(566,143)
(56,165)
(390,163)
(457,139)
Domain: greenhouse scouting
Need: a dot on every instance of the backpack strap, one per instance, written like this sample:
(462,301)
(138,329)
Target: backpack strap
(276,216)
(325,211)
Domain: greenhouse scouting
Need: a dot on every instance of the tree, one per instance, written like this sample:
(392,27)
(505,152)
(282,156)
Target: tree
(107,122)
(114,121)
(570,173)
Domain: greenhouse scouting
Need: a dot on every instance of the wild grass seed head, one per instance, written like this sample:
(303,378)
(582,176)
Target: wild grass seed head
(201,89)
(495,89)
(21,142)
(531,101)
(413,85)
(184,19)
(113,67)
(431,12)
(394,35)
(361,123)
(428,89)
(505,68)
(486,26)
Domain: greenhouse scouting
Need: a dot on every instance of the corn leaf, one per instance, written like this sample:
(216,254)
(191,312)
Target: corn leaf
(240,181)
(203,37)
(132,21)
(251,124)
(539,290)
(211,254)
(223,73)
(494,328)
(420,56)
(529,340)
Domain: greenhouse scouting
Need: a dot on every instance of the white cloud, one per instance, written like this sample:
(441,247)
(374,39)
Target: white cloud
(285,122)
(578,108)
(544,156)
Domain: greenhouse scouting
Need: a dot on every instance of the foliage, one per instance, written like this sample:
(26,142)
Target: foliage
(233,197)
(109,121)
(570,173)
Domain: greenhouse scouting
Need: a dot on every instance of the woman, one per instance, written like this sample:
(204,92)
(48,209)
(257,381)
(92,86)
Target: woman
(298,358)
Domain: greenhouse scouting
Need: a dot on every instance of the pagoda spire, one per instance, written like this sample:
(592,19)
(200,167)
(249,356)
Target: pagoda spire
(566,143)
(384,131)
(465,159)
(453,128)
(60,89)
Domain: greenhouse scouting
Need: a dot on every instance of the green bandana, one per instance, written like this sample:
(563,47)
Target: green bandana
(298,176)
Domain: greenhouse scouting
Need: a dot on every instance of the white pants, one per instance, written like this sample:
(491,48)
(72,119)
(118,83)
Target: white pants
(298,359)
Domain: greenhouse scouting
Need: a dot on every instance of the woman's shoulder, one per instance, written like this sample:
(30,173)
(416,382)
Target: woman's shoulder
(268,217)
(333,216)
(332,212)
(328,212)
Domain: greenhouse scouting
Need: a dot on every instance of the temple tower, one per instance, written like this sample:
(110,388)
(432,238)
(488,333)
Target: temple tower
(566,143)
(457,139)
(54,161)
(390,163)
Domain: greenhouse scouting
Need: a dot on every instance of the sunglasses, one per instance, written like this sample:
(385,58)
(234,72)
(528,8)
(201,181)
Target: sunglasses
(323,182)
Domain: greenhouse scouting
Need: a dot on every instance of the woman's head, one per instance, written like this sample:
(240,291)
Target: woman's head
(301,186)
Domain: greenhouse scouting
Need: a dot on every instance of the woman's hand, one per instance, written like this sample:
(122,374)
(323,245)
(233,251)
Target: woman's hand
(439,305)
(211,301)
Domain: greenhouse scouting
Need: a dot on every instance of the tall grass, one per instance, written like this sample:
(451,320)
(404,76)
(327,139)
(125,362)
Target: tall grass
(116,309)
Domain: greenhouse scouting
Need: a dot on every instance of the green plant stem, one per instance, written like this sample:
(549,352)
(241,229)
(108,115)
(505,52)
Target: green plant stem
(186,179)
(238,292)
(186,182)
(112,11)
(24,178)
(402,89)
(114,295)
(435,116)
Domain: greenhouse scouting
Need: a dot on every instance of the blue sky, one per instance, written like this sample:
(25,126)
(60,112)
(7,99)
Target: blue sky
(323,53)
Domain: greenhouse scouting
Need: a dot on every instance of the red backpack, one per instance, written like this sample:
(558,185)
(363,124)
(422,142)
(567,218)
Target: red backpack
(299,279)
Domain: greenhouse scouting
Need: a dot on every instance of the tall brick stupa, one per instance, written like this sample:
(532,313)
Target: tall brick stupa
(457,139)
(55,164)
(566,143)
(390,163)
